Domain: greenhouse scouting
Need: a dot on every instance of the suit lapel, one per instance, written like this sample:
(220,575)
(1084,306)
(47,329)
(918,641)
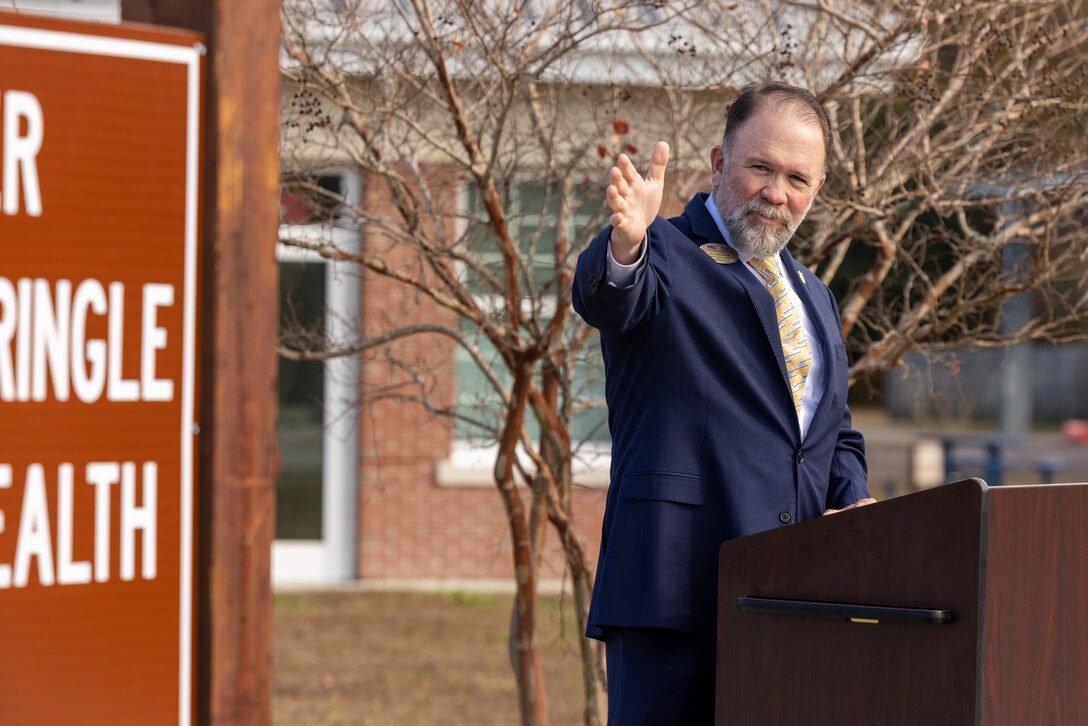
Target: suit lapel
(705,229)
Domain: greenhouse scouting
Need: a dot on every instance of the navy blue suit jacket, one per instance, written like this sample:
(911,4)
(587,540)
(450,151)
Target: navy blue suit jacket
(705,440)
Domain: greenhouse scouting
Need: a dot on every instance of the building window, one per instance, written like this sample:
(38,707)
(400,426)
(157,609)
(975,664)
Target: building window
(533,213)
(301,406)
(310,199)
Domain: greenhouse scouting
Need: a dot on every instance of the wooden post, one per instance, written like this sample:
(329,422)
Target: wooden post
(239,285)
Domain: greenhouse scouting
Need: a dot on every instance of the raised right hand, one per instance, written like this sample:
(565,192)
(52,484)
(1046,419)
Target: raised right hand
(634,201)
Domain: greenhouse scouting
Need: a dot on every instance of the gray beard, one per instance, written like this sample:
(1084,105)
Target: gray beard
(755,240)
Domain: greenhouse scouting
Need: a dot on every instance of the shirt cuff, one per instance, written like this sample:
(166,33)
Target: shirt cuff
(625,275)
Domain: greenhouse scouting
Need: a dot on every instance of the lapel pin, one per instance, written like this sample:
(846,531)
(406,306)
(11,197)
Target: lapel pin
(722,254)
(802,276)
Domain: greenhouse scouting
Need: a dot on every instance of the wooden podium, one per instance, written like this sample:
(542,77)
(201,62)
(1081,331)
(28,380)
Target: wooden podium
(963,605)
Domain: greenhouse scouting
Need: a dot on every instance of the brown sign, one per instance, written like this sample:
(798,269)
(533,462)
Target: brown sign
(99,132)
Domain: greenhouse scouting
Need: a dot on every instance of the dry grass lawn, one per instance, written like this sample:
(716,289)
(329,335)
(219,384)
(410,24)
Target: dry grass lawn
(412,659)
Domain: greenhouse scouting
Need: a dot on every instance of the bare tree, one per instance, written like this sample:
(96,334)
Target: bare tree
(489,127)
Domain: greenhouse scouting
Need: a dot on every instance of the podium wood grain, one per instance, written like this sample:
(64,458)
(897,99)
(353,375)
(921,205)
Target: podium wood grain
(1012,565)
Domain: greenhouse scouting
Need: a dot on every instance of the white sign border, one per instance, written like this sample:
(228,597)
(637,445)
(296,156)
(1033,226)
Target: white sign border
(189,56)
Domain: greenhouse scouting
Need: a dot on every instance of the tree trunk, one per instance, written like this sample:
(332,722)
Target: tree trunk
(525,658)
(591,681)
(523,648)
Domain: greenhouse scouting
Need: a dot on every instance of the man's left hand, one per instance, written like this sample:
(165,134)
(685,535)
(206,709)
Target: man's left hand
(855,505)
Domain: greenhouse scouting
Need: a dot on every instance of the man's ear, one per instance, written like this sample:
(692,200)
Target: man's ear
(821,184)
(717,165)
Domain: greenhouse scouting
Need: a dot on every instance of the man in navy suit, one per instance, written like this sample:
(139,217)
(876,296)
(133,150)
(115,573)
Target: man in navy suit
(716,432)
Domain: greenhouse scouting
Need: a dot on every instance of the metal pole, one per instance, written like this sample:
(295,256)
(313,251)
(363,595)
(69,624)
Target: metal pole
(1016,373)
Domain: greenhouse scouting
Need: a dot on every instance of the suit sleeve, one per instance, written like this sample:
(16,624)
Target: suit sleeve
(613,310)
(849,470)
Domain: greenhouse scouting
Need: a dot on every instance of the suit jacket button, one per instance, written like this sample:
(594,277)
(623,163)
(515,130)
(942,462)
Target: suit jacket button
(785,518)
(801,456)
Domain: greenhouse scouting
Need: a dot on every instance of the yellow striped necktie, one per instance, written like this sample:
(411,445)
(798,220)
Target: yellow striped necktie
(795,346)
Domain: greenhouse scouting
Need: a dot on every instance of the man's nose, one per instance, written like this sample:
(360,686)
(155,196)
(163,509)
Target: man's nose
(774,191)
